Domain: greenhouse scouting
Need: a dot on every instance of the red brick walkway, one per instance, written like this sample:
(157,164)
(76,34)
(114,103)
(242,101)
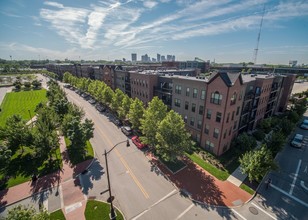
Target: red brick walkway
(66,174)
(204,187)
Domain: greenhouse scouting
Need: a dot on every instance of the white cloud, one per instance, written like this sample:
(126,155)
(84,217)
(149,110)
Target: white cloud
(54,4)
(149,4)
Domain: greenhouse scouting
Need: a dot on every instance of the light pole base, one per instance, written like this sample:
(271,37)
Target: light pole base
(114,216)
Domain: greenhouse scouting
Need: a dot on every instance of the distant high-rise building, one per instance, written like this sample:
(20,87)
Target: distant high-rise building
(145,58)
(153,59)
(173,58)
(134,57)
(169,57)
(158,57)
(162,58)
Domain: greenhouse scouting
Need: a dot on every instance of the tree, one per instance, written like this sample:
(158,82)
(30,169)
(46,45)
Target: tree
(61,107)
(153,115)
(125,106)
(275,142)
(107,95)
(17,85)
(244,142)
(5,155)
(22,212)
(266,125)
(27,85)
(172,137)
(257,163)
(17,133)
(36,84)
(117,100)
(136,113)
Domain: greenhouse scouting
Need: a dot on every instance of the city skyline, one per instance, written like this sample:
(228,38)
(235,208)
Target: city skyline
(224,31)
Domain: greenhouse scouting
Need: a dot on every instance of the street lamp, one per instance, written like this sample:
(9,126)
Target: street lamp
(112,214)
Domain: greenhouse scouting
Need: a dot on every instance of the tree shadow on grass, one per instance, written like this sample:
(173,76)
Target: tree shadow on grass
(94,173)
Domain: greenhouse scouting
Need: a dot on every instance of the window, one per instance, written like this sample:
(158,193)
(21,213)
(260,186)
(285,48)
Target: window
(207,129)
(186,105)
(232,116)
(238,110)
(177,102)
(187,91)
(199,125)
(233,99)
(235,125)
(193,107)
(201,109)
(225,133)
(216,98)
(178,89)
(218,117)
(209,146)
(209,114)
(195,93)
(192,121)
(216,133)
(258,91)
(241,95)
(230,131)
(185,119)
(228,117)
(202,94)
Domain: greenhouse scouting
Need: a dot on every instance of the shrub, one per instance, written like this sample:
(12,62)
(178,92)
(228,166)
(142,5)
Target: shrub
(259,135)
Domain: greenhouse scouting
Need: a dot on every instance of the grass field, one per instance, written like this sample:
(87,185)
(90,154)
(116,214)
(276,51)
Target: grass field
(79,157)
(57,215)
(20,103)
(99,210)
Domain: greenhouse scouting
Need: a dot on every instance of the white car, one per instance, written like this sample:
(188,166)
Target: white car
(297,141)
(304,124)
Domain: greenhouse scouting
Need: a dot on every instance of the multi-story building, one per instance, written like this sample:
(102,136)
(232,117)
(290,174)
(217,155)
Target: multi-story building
(216,108)
(134,57)
(158,57)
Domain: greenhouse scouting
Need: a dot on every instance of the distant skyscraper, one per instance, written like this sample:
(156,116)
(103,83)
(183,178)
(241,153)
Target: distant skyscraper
(158,57)
(134,57)
(169,57)
(173,58)
(145,58)
(153,59)
(163,58)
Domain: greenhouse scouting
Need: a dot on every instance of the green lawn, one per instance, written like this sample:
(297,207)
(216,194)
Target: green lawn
(78,157)
(20,103)
(57,215)
(99,210)
(219,174)
(247,189)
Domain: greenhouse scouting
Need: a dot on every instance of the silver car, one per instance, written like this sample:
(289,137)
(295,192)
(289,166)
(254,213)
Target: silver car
(297,141)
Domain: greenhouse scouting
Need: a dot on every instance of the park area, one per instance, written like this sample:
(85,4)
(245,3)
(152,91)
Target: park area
(23,162)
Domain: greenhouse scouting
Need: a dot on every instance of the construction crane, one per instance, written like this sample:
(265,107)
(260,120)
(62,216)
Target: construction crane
(255,55)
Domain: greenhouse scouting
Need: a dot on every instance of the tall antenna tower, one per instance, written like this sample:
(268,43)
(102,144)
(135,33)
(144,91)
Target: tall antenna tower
(255,54)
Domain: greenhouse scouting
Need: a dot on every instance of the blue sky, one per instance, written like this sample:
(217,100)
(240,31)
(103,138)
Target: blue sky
(224,30)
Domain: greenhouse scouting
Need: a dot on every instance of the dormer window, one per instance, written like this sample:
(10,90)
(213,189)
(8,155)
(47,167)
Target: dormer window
(233,98)
(216,98)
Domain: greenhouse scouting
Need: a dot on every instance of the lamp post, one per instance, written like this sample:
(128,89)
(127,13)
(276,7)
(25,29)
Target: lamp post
(112,214)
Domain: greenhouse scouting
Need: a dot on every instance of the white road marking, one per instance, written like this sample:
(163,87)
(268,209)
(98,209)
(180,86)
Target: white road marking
(239,214)
(169,194)
(295,177)
(61,196)
(292,197)
(305,171)
(72,207)
(264,211)
(303,185)
(185,211)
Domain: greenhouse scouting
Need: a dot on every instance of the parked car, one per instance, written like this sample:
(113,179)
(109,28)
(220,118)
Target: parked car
(126,130)
(136,140)
(100,107)
(92,101)
(304,124)
(297,141)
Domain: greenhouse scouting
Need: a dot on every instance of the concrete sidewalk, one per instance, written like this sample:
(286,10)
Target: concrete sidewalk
(63,179)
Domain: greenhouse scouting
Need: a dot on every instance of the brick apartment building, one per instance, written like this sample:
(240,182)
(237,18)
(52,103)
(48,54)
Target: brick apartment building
(215,109)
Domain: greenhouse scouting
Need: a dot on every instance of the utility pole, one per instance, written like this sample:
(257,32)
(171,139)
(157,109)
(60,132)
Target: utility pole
(258,39)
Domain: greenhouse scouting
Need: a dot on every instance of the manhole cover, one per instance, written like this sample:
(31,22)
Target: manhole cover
(253,210)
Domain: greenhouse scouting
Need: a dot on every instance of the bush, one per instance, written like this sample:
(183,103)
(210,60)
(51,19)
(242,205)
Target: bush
(259,135)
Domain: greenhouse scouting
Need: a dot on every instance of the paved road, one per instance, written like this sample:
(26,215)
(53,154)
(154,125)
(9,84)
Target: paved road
(287,196)
(140,192)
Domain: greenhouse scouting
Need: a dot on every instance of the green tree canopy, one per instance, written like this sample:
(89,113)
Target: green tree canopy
(172,137)
(22,212)
(136,113)
(153,115)
(257,163)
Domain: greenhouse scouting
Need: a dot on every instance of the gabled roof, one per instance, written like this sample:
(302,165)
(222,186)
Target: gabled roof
(228,78)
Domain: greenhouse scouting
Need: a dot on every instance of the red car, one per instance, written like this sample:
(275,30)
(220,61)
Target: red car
(137,142)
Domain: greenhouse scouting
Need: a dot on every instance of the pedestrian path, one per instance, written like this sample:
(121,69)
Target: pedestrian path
(66,180)
(237,177)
